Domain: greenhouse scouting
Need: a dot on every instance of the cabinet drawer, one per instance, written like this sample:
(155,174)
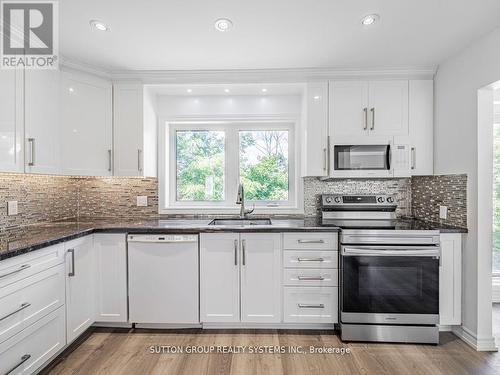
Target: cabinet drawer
(318,241)
(25,352)
(310,277)
(19,267)
(24,302)
(310,259)
(311,304)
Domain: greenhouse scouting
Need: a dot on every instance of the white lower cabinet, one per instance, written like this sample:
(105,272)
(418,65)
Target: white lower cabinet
(310,304)
(111,278)
(240,270)
(80,295)
(450,279)
(27,351)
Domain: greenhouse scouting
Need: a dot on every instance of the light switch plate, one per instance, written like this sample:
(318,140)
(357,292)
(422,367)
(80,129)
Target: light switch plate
(12,208)
(443,212)
(142,201)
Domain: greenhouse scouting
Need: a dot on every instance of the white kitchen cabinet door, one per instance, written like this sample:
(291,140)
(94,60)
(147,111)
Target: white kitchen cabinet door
(450,279)
(11,121)
(128,129)
(111,279)
(388,108)
(348,109)
(80,295)
(219,277)
(316,130)
(421,113)
(260,277)
(42,125)
(86,125)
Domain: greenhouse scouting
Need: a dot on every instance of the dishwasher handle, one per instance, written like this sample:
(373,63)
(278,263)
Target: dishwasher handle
(168,238)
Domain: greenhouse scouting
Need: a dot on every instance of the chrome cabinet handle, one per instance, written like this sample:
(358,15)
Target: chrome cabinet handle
(72,252)
(310,259)
(31,160)
(328,154)
(325,156)
(310,278)
(235,252)
(24,358)
(110,161)
(311,241)
(23,267)
(311,306)
(139,160)
(413,158)
(373,118)
(365,111)
(244,251)
(20,308)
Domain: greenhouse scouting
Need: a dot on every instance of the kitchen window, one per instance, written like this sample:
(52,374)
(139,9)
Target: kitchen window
(203,163)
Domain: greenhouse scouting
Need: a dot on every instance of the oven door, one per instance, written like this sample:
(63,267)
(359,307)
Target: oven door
(390,284)
(362,160)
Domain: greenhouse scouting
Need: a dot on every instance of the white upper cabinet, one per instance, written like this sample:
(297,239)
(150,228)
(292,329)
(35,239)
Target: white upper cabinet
(128,129)
(315,131)
(368,108)
(86,139)
(11,121)
(348,109)
(42,124)
(388,112)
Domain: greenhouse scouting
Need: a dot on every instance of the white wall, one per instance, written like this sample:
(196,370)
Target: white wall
(456,145)
(192,106)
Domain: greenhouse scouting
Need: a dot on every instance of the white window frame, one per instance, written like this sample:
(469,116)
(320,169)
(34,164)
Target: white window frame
(167,166)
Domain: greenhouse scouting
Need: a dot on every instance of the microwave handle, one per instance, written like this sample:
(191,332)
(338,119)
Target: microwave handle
(389,157)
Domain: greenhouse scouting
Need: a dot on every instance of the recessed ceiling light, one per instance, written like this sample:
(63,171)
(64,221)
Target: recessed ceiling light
(189,91)
(226,90)
(264,90)
(370,19)
(98,25)
(223,24)
(317,97)
(71,89)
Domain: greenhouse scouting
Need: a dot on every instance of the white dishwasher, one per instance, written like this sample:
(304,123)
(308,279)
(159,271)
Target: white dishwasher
(163,279)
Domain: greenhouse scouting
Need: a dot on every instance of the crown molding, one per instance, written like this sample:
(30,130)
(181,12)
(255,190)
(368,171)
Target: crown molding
(249,75)
(270,75)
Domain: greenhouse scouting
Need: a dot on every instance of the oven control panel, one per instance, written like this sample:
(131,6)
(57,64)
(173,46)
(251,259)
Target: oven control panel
(329,200)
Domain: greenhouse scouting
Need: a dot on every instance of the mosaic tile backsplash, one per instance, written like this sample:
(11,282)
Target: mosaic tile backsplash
(430,192)
(50,198)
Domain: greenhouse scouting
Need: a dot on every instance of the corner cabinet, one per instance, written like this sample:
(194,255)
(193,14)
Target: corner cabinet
(240,270)
(450,279)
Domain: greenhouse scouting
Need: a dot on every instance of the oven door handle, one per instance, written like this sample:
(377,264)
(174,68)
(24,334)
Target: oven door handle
(399,251)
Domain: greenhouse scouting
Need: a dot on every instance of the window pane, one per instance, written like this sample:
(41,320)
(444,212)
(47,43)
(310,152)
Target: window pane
(200,165)
(264,164)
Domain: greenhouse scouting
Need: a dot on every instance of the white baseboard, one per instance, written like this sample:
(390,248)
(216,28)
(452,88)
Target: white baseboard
(167,325)
(483,344)
(313,326)
(445,328)
(112,325)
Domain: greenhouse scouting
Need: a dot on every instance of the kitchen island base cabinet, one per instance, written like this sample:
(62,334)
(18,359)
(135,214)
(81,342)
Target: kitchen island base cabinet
(240,270)
(80,295)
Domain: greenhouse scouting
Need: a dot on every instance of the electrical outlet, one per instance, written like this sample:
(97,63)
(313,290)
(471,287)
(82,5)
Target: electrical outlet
(12,208)
(443,212)
(142,201)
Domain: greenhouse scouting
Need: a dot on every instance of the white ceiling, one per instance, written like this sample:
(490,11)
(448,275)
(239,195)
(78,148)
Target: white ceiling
(180,34)
(232,89)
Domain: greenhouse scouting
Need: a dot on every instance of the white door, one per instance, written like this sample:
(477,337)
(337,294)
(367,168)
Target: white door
(260,277)
(11,121)
(450,280)
(42,125)
(388,108)
(219,277)
(111,279)
(128,129)
(80,297)
(348,109)
(316,130)
(86,125)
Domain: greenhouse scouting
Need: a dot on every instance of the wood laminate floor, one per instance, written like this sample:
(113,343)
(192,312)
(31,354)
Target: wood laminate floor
(124,352)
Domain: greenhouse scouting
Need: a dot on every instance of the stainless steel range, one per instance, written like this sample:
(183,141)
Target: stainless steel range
(389,280)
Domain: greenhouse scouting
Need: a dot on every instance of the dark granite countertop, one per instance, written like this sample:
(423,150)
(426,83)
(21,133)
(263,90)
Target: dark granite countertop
(19,241)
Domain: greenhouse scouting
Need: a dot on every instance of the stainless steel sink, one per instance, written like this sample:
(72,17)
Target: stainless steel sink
(241,222)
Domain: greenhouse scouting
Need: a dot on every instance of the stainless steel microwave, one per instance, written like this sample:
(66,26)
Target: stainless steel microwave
(370,160)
